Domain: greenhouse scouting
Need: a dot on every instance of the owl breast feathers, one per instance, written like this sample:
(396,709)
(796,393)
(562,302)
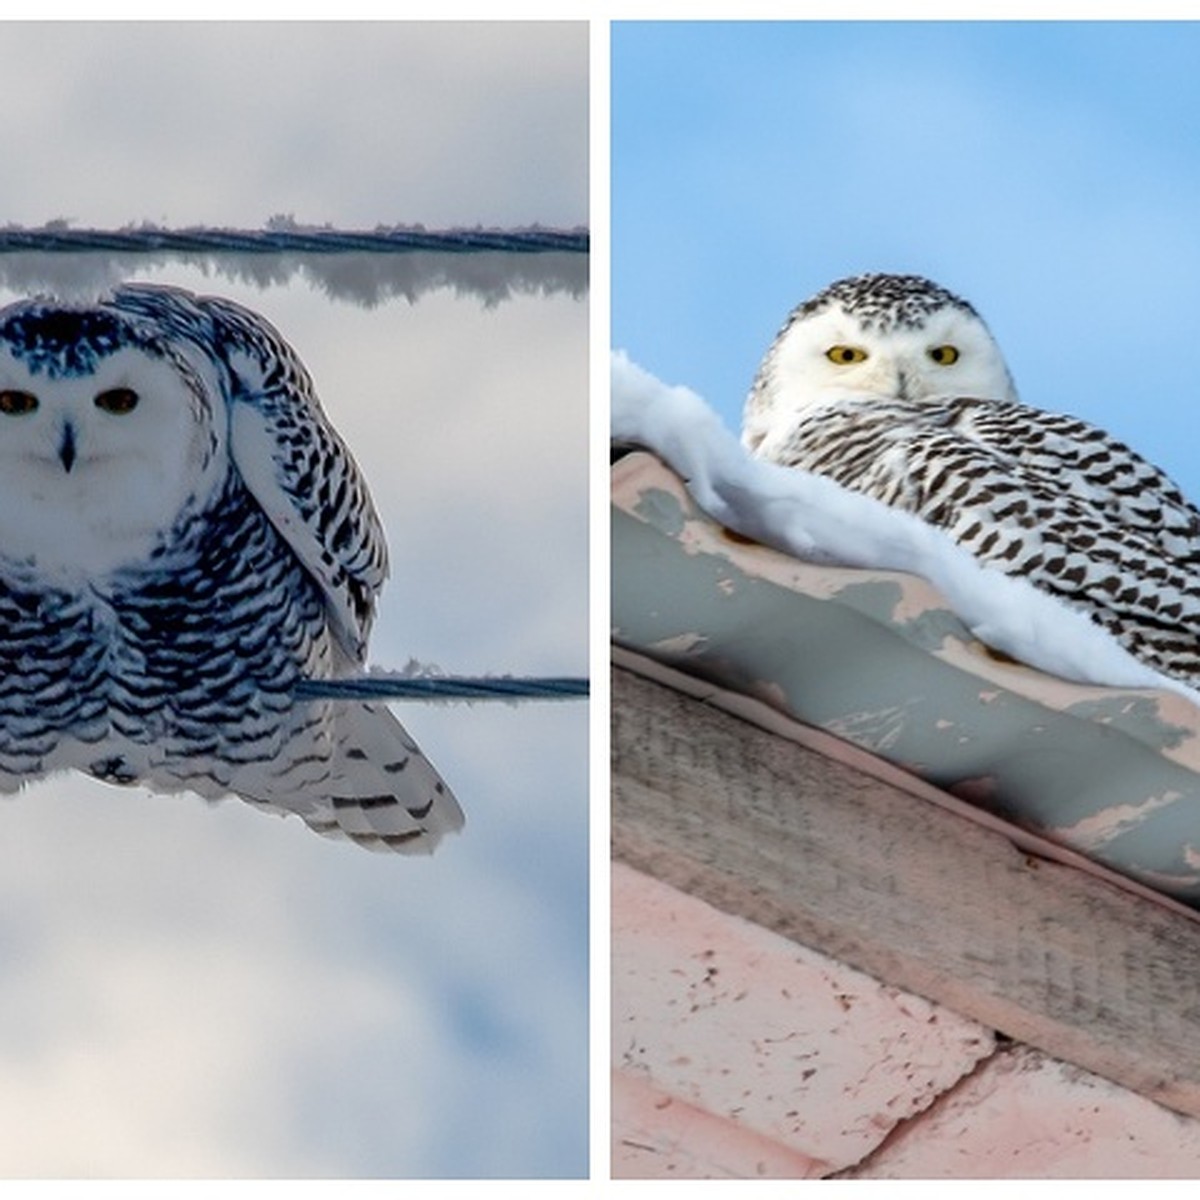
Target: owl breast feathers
(184,536)
(894,387)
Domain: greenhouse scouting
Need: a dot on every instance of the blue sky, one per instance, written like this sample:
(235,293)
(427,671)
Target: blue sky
(197,990)
(1048,172)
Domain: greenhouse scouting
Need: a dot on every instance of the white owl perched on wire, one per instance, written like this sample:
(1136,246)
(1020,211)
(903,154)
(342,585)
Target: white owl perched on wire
(183,537)
(893,387)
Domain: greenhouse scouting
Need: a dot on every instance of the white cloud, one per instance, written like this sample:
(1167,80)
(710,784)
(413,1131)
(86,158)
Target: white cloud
(353,123)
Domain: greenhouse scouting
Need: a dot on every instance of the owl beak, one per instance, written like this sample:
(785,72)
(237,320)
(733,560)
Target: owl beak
(66,448)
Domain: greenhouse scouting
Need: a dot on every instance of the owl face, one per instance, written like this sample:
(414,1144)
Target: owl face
(850,342)
(98,460)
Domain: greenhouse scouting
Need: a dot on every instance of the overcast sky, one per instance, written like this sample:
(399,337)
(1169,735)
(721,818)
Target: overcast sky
(195,990)
(1047,172)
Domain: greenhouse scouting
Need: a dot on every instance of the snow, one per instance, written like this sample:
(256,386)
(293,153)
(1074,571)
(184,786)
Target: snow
(817,520)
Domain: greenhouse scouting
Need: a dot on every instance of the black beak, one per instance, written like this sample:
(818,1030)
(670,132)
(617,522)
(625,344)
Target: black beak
(66,448)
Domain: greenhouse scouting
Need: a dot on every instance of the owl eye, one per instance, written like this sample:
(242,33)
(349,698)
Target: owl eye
(15,404)
(846,354)
(944,355)
(117,401)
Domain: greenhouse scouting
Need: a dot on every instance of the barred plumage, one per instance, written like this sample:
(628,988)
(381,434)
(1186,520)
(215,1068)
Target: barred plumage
(894,387)
(183,536)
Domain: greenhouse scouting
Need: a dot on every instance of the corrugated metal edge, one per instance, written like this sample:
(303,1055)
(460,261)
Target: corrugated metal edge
(1129,722)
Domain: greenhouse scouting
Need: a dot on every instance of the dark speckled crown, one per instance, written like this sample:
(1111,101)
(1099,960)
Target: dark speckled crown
(62,341)
(884,302)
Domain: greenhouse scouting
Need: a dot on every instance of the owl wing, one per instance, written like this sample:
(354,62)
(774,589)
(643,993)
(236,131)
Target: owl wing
(287,453)
(1055,451)
(1053,500)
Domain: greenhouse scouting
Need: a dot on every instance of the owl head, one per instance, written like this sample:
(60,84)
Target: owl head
(107,431)
(892,336)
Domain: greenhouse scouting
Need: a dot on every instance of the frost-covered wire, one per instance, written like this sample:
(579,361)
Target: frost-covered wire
(55,238)
(365,267)
(390,686)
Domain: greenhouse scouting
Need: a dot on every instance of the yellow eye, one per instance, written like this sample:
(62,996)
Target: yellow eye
(15,404)
(117,401)
(944,355)
(843,355)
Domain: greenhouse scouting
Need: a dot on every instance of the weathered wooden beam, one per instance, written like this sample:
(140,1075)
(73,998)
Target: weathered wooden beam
(915,895)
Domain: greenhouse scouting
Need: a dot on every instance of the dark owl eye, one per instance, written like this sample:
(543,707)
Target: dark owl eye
(846,354)
(15,404)
(117,401)
(944,355)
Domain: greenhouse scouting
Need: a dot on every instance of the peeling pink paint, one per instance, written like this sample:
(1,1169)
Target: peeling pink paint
(1094,831)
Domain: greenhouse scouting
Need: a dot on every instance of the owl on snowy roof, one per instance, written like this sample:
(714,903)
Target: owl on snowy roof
(893,387)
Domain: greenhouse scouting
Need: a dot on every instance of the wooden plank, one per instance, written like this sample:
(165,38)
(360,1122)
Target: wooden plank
(917,896)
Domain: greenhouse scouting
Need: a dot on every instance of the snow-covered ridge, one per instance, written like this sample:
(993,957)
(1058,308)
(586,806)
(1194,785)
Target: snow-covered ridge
(815,519)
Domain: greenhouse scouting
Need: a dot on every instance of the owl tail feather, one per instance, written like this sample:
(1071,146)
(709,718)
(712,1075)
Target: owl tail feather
(383,793)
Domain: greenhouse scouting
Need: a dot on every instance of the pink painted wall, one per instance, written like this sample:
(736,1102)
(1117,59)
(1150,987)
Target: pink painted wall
(737,1053)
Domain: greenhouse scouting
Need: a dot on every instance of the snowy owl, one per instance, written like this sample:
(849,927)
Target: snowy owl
(893,386)
(183,536)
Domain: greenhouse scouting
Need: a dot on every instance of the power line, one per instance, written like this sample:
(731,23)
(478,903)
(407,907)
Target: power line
(385,686)
(383,240)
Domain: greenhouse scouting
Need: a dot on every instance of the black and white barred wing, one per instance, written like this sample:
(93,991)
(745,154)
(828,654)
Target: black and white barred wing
(383,789)
(1049,498)
(301,472)
(380,790)
(1094,467)
(290,457)
(362,775)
